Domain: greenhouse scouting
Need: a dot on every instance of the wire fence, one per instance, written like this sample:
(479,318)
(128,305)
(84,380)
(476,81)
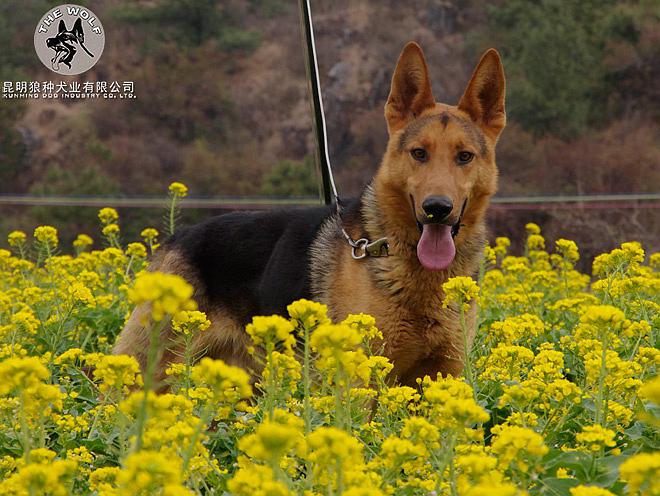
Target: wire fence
(595,202)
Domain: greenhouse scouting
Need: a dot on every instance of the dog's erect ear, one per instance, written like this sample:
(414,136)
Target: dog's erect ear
(484,97)
(61,28)
(411,88)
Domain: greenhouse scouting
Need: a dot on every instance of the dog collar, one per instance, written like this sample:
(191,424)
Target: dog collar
(363,248)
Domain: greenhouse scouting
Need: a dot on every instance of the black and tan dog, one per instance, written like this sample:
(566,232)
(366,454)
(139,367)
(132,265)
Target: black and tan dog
(428,198)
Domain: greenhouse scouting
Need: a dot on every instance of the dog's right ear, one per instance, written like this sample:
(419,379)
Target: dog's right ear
(411,89)
(61,28)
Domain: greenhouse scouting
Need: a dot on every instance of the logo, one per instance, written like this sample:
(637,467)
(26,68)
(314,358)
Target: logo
(69,39)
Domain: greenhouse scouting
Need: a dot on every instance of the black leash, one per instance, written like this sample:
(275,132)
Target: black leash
(362,247)
(329,188)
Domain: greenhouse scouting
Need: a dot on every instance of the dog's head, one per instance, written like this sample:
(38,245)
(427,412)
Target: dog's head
(63,35)
(439,168)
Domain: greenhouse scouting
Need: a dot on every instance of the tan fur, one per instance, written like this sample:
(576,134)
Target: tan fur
(225,338)
(419,335)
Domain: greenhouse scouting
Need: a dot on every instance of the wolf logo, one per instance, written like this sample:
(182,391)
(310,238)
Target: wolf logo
(64,44)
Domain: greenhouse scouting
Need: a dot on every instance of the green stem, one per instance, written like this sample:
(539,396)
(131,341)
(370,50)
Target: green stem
(25,437)
(467,363)
(171,218)
(152,356)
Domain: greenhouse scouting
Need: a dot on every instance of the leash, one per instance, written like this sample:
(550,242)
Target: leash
(311,64)
(362,247)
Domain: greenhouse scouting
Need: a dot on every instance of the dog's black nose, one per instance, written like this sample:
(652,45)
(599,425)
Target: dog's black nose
(437,208)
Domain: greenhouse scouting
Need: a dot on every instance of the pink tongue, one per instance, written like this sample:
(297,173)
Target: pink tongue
(436,249)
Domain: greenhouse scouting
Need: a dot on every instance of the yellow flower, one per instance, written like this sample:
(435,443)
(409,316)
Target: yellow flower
(24,320)
(595,438)
(190,321)
(395,451)
(490,256)
(272,439)
(460,290)
(82,241)
(117,371)
(364,324)
(81,293)
(568,249)
(332,452)
(328,339)
(452,403)
(46,235)
(271,332)
(535,242)
(308,314)
(497,489)
(229,384)
(590,491)
(50,478)
(507,363)
(421,431)
(136,250)
(256,480)
(16,238)
(110,230)
(516,328)
(148,472)
(103,480)
(501,246)
(641,472)
(377,367)
(168,294)
(532,228)
(149,234)
(69,356)
(651,390)
(21,373)
(178,189)
(519,445)
(108,215)
(286,369)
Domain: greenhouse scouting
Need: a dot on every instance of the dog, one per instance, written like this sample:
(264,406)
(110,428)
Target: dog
(63,44)
(427,201)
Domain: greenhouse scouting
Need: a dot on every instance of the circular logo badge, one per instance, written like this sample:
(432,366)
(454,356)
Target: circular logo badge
(69,39)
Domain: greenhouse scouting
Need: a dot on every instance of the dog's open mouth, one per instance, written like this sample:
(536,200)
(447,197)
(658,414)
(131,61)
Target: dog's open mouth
(436,249)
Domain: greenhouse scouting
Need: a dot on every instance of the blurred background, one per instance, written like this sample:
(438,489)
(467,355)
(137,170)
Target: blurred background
(222,105)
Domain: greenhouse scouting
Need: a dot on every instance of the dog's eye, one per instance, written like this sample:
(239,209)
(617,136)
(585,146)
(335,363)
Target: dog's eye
(419,154)
(464,158)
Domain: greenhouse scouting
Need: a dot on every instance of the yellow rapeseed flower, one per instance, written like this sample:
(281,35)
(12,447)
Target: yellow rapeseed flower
(178,189)
(641,472)
(228,383)
(46,235)
(21,373)
(136,250)
(16,238)
(82,241)
(190,321)
(108,215)
(272,332)
(460,290)
(167,294)
(590,491)
(117,371)
(595,438)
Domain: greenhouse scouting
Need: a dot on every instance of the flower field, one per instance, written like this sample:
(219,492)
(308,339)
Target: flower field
(560,393)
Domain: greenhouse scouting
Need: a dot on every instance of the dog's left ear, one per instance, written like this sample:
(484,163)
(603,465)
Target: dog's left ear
(411,88)
(484,97)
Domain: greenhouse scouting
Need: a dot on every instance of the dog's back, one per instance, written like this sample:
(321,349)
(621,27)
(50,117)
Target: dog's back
(241,264)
